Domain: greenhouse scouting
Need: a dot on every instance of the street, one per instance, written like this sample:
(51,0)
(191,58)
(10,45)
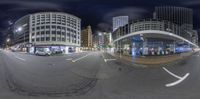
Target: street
(93,75)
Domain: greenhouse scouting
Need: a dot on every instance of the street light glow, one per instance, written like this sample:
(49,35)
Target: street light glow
(100,34)
(8,40)
(19,29)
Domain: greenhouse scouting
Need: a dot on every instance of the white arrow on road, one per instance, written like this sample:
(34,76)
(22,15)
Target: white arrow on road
(180,79)
(105,60)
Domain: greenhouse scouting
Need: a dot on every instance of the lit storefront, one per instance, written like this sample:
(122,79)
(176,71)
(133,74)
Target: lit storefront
(150,38)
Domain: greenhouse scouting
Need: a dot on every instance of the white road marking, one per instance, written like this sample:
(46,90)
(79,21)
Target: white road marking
(109,60)
(171,73)
(105,60)
(80,58)
(69,59)
(103,56)
(180,79)
(20,58)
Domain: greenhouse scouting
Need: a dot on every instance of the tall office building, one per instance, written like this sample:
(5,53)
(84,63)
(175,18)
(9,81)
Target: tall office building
(177,15)
(119,21)
(86,38)
(55,30)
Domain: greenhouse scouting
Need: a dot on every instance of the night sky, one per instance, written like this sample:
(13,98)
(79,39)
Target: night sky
(97,13)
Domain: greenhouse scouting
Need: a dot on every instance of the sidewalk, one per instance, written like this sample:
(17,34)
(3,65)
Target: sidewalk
(152,60)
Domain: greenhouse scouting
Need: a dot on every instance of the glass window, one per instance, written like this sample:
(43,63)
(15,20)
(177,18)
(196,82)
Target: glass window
(37,39)
(42,27)
(63,33)
(33,40)
(58,32)
(47,32)
(42,33)
(58,39)
(68,34)
(63,39)
(58,27)
(53,26)
(38,33)
(53,32)
(47,38)
(42,39)
(38,28)
(53,38)
(47,26)
(33,29)
(47,22)
(63,28)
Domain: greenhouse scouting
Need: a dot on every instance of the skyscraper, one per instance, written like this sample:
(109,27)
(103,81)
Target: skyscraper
(177,15)
(86,38)
(119,21)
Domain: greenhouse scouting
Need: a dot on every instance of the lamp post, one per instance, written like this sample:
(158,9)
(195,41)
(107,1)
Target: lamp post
(19,29)
(100,41)
(7,42)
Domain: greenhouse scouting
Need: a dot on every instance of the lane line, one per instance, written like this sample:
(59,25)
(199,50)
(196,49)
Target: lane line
(69,59)
(20,58)
(171,73)
(109,60)
(106,60)
(180,79)
(81,57)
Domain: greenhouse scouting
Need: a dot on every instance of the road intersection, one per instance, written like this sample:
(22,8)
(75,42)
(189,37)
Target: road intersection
(94,75)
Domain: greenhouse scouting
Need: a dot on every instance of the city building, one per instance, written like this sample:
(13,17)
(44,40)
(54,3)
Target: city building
(152,37)
(155,24)
(101,40)
(120,21)
(95,41)
(104,40)
(55,30)
(86,38)
(7,34)
(178,15)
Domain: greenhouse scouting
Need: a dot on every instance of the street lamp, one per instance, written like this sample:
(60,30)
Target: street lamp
(100,34)
(19,29)
(8,40)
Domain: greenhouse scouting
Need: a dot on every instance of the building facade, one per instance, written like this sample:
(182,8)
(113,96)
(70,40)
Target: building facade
(55,30)
(178,15)
(86,38)
(120,21)
(149,43)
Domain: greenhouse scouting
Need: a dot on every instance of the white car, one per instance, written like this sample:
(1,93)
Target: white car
(43,52)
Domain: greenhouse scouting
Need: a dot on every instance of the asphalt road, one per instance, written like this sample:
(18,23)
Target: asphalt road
(94,75)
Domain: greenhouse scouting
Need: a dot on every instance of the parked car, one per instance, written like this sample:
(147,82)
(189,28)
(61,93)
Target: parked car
(43,52)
